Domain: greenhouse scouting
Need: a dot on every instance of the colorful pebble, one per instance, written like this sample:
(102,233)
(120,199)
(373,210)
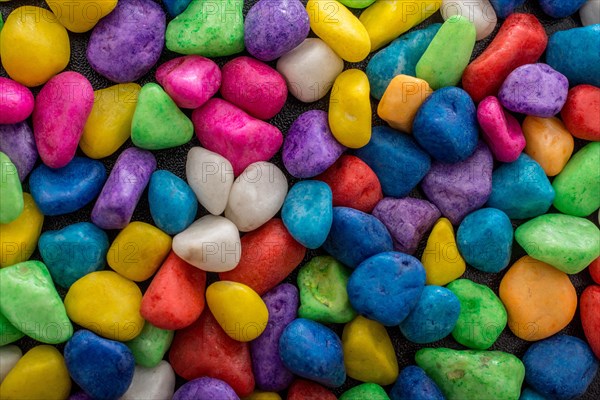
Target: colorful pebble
(370,391)
(11,191)
(18,143)
(78,17)
(504,8)
(303,389)
(548,142)
(561,8)
(441,258)
(19,238)
(173,204)
(151,383)
(17,102)
(8,332)
(581,112)
(590,300)
(9,356)
(150,346)
(590,13)
(501,131)
(205,388)
(414,384)
(480,13)
(401,101)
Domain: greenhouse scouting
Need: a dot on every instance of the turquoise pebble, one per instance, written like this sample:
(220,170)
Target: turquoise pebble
(173,204)
(530,394)
(176,7)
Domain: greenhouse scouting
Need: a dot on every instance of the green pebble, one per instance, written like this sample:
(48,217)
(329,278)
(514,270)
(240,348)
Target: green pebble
(150,346)
(323,296)
(473,374)
(357,3)
(28,299)
(567,243)
(8,333)
(482,315)
(577,187)
(208,28)
(370,391)
(157,122)
(448,54)
(11,192)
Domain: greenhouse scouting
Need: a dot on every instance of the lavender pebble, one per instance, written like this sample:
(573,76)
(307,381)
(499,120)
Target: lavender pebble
(205,389)
(17,142)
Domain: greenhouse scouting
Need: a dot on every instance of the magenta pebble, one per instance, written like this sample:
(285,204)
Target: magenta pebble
(16,101)
(501,130)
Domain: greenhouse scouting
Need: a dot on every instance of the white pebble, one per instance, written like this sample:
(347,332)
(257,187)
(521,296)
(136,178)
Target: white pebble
(210,176)
(479,12)
(590,13)
(156,383)
(9,355)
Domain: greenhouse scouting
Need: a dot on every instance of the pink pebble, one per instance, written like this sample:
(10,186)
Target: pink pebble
(254,87)
(501,130)
(189,80)
(61,110)
(16,102)
(227,130)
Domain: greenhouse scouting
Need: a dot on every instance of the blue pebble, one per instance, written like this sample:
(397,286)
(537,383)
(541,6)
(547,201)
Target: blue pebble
(73,252)
(521,189)
(560,367)
(529,394)
(561,8)
(173,204)
(386,287)
(434,316)
(176,7)
(574,53)
(414,384)
(313,351)
(356,236)
(67,189)
(307,212)
(446,125)
(485,239)
(399,163)
(399,58)
(504,8)
(102,368)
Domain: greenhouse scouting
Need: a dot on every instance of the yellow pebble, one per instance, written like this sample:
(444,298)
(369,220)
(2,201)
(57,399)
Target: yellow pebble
(441,259)
(40,374)
(401,101)
(350,109)
(109,123)
(19,238)
(368,352)
(34,46)
(239,310)
(386,20)
(138,251)
(548,142)
(80,15)
(107,304)
(263,396)
(339,28)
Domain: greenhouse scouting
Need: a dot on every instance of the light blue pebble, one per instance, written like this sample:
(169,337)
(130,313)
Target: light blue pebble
(529,394)
(414,384)
(504,8)
(173,204)
(561,8)
(176,7)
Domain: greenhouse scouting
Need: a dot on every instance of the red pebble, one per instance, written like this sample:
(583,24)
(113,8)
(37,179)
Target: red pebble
(175,297)
(204,349)
(269,255)
(594,269)
(521,40)
(590,316)
(307,390)
(353,184)
(581,112)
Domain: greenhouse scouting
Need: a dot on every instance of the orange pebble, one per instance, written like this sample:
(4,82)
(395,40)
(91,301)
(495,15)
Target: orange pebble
(401,101)
(548,142)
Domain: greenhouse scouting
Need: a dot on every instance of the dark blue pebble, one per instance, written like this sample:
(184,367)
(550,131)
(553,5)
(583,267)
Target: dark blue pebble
(561,8)
(414,384)
(173,204)
(504,8)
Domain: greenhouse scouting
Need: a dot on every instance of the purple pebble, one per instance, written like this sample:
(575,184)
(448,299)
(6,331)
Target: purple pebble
(123,189)
(269,372)
(309,147)
(274,27)
(205,389)
(127,43)
(458,189)
(407,220)
(18,143)
(535,89)
(80,396)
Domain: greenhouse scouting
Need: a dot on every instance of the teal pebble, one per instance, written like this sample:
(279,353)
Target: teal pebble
(173,204)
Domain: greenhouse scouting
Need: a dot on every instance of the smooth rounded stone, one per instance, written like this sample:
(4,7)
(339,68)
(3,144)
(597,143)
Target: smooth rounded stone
(529,394)
(590,13)
(227,130)
(561,8)
(401,101)
(307,212)
(11,191)
(549,143)
(357,3)
(102,368)
(594,270)
(176,7)
(504,8)
(127,43)
(567,243)
(356,236)
(590,319)
(190,80)
(461,188)
(485,239)
(302,389)
(61,110)
(578,185)
(18,143)
(82,15)
(73,252)
(256,196)
(414,384)
(205,388)
(370,391)
(581,112)
(313,351)
(399,58)
(19,238)
(210,176)
(310,69)
(107,304)
(501,131)
(323,297)
(269,371)
(568,54)
(407,220)
(208,29)
(173,204)
(9,356)
(466,374)
(67,189)
(42,315)
(254,86)
(123,189)
(17,102)
(446,125)
(34,46)
(8,333)
(441,258)
(156,383)
(560,367)
(480,13)
(150,346)
(212,244)
(521,189)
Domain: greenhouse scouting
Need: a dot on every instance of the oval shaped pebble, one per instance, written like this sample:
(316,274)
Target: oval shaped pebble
(401,101)
(441,258)
(504,8)
(365,391)
(501,131)
(11,191)
(210,176)
(594,270)
(480,13)
(150,346)
(127,43)
(151,383)
(205,388)
(561,8)
(590,13)
(9,356)
(17,101)
(302,389)
(81,16)
(548,142)
(18,143)
(590,319)
(581,112)
(413,383)
(173,204)
(176,7)
(357,3)
(19,238)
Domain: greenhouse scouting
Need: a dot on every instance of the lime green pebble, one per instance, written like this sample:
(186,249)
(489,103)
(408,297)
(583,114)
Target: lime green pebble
(8,333)
(357,3)
(371,391)
(11,192)
(150,346)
